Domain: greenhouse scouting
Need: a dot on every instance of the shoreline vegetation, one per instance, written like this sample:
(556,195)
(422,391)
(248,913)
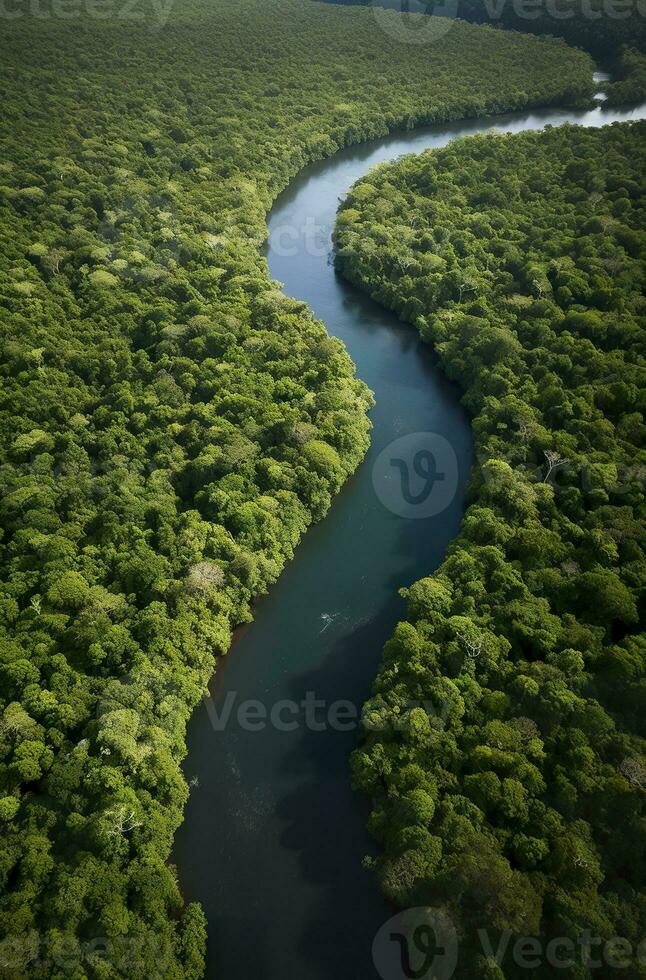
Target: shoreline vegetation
(629,81)
(171,423)
(614,34)
(502,803)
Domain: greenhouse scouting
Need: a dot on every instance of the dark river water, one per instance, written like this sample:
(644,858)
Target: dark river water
(273,836)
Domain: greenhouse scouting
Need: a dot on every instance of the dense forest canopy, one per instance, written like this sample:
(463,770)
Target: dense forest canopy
(171,423)
(516,796)
(629,82)
(600,26)
(614,31)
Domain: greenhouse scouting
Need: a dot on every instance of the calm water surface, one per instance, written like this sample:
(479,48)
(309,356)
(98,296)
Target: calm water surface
(273,836)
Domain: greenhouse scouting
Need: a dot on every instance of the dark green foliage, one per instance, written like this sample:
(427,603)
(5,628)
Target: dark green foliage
(630,84)
(599,26)
(171,423)
(602,27)
(521,259)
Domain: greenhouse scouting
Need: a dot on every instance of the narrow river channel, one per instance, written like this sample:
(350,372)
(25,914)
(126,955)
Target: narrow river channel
(273,836)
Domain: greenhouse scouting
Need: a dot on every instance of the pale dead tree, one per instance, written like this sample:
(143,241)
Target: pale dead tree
(194,783)
(123,823)
(205,576)
(526,728)
(614,265)
(554,461)
(54,260)
(404,262)
(570,567)
(634,771)
(536,283)
(35,602)
(473,646)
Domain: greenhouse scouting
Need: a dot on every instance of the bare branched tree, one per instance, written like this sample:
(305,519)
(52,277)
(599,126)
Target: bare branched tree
(122,821)
(53,261)
(404,262)
(570,567)
(554,461)
(634,771)
(472,645)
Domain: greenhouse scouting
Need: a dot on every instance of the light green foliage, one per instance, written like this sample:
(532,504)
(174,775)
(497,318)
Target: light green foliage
(531,624)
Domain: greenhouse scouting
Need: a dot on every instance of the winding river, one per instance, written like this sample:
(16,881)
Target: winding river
(273,836)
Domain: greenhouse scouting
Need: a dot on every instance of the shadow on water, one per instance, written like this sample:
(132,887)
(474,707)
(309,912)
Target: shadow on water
(344,924)
(273,836)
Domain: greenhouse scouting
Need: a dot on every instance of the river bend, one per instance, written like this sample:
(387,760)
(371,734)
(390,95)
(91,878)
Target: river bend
(273,836)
